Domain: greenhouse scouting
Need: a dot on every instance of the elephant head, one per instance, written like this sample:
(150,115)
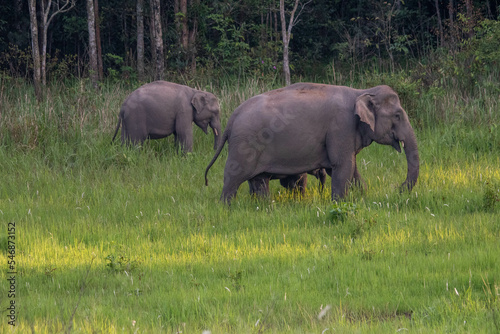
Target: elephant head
(384,121)
(207,112)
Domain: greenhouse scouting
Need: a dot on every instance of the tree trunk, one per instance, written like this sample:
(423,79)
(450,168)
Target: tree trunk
(184,25)
(92,43)
(177,21)
(451,13)
(159,61)
(35,50)
(276,33)
(440,23)
(98,40)
(453,31)
(192,40)
(140,40)
(488,7)
(152,33)
(286,33)
(286,39)
(421,48)
(18,14)
(470,18)
(43,57)
(46,20)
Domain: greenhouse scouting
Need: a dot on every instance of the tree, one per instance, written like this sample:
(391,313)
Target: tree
(46,20)
(440,23)
(287,33)
(40,56)
(94,71)
(35,50)
(184,25)
(140,39)
(98,40)
(158,39)
(192,37)
(187,34)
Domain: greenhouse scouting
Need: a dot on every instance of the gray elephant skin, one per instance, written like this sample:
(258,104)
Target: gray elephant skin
(307,126)
(159,109)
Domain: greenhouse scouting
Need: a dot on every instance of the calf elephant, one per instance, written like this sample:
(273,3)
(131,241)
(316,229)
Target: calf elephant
(159,109)
(259,185)
(307,126)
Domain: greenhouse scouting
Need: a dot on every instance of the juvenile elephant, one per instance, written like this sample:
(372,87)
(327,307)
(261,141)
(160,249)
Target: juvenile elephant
(259,185)
(307,126)
(159,109)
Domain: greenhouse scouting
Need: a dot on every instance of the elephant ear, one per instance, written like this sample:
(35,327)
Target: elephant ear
(365,109)
(198,101)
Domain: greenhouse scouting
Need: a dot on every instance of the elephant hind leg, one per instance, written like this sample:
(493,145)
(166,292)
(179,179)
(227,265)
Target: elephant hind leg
(229,190)
(133,136)
(231,184)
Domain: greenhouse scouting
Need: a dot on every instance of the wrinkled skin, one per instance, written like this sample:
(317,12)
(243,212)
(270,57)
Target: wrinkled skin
(307,126)
(159,109)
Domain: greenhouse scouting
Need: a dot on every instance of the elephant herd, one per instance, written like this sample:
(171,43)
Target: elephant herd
(281,134)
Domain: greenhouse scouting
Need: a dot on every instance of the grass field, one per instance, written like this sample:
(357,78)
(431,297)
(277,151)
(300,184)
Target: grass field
(111,239)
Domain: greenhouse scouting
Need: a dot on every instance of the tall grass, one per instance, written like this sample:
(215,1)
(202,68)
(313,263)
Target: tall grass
(164,255)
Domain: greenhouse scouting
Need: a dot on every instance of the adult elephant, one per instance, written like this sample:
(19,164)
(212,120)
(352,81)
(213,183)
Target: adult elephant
(159,109)
(308,126)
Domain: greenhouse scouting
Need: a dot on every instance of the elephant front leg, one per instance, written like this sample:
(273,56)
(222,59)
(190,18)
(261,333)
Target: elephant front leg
(342,174)
(177,144)
(184,137)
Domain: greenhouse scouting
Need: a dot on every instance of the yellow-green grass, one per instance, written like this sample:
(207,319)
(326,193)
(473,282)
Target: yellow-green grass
(112,239)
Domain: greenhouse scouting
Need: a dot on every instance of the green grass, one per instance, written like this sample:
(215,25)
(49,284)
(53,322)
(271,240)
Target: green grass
(135,242)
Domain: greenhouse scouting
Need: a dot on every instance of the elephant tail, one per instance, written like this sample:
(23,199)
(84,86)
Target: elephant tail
(117,128)
(219,149)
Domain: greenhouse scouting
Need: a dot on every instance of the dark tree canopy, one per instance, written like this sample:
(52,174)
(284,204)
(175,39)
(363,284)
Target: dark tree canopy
(243,36)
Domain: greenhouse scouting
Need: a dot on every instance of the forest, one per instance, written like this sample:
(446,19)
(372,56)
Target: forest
(244,37)
(100,237)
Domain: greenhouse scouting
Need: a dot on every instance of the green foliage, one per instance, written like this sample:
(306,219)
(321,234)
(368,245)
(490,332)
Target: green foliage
(230,51)
(402,44)
(117,70)
(120,263)
(485,46)
(61,69)
(491,196)
(16,62)
(235,37)
(474,59)
(340,211)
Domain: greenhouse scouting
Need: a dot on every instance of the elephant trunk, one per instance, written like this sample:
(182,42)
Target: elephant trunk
(412,159)
(215,125)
